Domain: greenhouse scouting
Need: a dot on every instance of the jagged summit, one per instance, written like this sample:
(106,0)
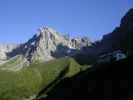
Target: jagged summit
(48,44)
(40,46)
(45,45)
(45,29)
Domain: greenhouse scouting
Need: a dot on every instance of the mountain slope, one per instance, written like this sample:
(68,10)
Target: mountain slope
(30,67)
(29,81)
(108,81)
(46,45)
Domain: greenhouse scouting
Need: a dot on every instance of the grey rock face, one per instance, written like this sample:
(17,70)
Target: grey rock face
(44,43)
(47,44)
(78,43)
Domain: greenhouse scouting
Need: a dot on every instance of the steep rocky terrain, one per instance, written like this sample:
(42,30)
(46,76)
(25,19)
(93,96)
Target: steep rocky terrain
(46,45)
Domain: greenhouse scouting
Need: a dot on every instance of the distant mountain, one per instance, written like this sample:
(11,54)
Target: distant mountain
(46,45)
(4,49)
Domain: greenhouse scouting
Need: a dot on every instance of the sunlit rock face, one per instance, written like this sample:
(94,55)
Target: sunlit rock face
(45,45)
(48,44)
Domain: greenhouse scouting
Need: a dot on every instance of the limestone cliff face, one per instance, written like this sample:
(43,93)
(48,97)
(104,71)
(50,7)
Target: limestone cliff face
(43,44)
(47,44)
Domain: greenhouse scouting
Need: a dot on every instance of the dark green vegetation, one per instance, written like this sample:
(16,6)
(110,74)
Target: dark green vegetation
(32,80)
(109,81)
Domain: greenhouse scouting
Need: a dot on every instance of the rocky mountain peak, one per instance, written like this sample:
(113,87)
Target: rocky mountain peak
(45,45)
(47,33)
(47,30)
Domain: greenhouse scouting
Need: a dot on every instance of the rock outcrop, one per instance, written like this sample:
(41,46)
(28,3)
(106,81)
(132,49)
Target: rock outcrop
(4,49)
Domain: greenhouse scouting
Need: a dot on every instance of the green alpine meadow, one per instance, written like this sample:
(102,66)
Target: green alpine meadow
(29,81)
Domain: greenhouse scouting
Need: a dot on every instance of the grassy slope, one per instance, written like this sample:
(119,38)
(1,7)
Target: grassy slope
(102,82)
(14,64)
(30,81)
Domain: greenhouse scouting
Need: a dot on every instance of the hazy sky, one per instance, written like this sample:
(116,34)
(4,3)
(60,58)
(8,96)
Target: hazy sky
(19,19)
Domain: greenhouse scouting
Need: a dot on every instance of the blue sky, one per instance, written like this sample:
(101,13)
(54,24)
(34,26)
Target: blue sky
(20,19)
